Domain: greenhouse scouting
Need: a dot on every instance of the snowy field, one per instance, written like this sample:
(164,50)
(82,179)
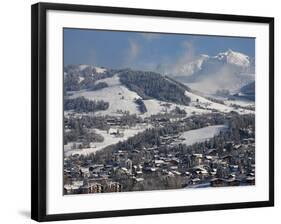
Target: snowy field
(156,106)
(118,96)
(205,103)
(109,139)
(243,103)
(201,134)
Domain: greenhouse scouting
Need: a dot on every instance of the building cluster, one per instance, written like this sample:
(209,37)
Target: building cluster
(234,165)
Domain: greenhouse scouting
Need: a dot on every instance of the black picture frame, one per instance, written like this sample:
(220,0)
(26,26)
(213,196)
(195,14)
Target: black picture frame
(39,108)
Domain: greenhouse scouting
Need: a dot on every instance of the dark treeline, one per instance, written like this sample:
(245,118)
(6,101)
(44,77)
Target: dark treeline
(82,135)
(81,104)
(101,122)
(89,83)
(72,80)
(179,111)
(153,85)
(86,122)
(98,86)
(141,105)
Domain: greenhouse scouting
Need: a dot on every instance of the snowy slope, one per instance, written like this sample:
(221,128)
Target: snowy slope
(197,100)
(118,96)
(156,106)
(201,134)
(122,100)
(108,140)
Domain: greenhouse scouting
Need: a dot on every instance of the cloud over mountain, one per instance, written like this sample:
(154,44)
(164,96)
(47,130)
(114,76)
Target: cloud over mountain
(227,70)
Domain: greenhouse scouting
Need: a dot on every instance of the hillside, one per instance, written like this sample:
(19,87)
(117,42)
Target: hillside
(119,92)
(150,85)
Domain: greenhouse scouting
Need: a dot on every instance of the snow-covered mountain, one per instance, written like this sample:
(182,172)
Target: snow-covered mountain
(227,70)
(234,58)
(122,88)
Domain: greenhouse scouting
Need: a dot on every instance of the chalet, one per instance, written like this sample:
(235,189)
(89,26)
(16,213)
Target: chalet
(158,163)
(177,173)
(200,171)
(84,171)
(195,181)
(227,158)
(209,158)
(174,161)
(236,147)
(212,152)
(113,121)
(138,180)
(213,172)
(115,187)
(173,167)
(96,188)
(196,159)
(234,168)
(115,132)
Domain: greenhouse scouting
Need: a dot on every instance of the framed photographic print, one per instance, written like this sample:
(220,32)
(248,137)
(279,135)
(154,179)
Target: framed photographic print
(138,111)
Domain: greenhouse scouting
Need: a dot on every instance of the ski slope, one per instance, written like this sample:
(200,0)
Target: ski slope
(201,134)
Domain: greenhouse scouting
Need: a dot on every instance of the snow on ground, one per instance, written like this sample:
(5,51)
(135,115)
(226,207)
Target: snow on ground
(243,103)
(81,79)
(111,81)
(100,70)
(82,67)
(109,139)
(197,100)
(190,137)
(71,145)
(153,107)
(121,98)
(234,100)
(156,106)
(201,134)
(210,86)
(117,95)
